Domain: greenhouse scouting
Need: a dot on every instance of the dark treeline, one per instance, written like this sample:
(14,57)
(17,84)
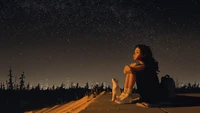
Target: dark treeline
(188,88)
(35,98)
(21,97)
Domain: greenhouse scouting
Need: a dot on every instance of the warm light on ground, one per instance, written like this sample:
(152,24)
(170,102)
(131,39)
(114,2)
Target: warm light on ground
(72,107)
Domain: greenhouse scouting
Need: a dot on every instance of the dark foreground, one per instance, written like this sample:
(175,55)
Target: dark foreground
(184,103)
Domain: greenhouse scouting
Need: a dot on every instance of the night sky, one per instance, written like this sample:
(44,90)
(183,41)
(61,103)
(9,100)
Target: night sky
(91,41)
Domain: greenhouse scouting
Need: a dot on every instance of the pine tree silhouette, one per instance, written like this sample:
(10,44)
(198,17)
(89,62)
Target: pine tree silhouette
(4,86)
(22,81)
(38,87)
(77,85)
(1,86)
(10,83)
(53,87)
(62,86)
(87,86)
(101,87)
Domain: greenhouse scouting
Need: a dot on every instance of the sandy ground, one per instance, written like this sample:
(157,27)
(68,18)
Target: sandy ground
(71,107)
(103,104)
(186,103)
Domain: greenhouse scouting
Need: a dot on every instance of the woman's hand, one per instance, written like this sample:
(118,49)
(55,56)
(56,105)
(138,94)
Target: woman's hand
(127,69)
(133,64)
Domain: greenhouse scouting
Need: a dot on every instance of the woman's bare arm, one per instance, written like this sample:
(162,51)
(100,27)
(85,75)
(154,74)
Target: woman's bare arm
(135,67)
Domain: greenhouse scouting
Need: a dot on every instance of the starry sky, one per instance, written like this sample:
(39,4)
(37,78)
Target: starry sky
(55,41)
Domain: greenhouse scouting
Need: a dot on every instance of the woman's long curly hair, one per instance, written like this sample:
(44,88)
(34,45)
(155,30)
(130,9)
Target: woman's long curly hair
(148,59)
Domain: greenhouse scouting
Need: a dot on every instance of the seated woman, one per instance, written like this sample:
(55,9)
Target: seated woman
(144,74)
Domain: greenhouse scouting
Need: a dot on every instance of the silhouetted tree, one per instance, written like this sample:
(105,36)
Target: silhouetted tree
(101,87)
(62,86)
(22,81)
(10,83)
(77,85)
(3,86)
(87,89)
(53,87)
(38,87)
(28,86)
(194,85)
(189,86)
(87,86)
(108,89)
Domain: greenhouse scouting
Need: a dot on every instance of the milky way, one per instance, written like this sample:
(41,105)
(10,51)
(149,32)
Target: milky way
(83,41)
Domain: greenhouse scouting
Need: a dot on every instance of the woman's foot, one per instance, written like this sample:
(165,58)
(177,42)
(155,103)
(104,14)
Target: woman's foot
(123,94)
(124,100)
(135,100)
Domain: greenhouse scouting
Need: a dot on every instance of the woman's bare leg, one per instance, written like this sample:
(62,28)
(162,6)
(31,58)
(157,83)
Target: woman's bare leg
(126,83)
(132,80)
(125,86)
(127,71)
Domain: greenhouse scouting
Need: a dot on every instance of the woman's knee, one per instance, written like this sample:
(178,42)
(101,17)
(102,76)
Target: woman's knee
(127,69)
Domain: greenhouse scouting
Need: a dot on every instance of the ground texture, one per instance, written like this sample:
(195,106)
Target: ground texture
(184,103)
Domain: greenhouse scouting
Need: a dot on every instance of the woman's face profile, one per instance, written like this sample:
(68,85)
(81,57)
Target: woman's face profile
(137,54)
